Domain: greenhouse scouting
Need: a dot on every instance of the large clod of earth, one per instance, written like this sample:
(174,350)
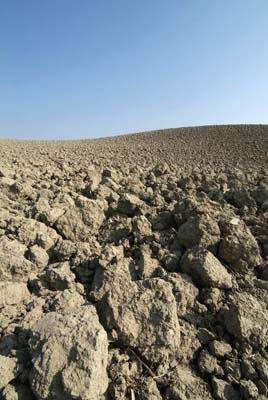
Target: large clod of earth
(135,267)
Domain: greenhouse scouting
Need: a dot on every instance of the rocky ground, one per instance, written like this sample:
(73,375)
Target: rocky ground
(135,267)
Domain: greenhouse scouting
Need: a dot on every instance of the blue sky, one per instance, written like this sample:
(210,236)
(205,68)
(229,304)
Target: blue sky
(81,68)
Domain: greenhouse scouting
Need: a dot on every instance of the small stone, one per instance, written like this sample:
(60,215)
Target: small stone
(220,348)
(8,368)
(205,336)
(110,173)
(129,204)
(64,250)
(248,390)
(205,269)
(141,227)
(66,299)
(187,385)
(144,314)
(262,368)
(184,291)
(199,231)
(240,198)
(247,319)
(111,255)
(171,262)
(208,364)
(232,370)
(13,264)
(13,293)
(238,248)
(161,169)
(149,267)
(30,232)
(93,180)
(148,390)
(223,390)
(59,276)
(248,371)
(211,297)
(38,256)
(69,355)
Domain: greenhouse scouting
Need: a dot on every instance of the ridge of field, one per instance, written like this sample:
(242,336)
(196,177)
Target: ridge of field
(221,145)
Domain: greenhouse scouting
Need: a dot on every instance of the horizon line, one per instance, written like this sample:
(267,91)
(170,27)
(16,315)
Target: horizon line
(132,133)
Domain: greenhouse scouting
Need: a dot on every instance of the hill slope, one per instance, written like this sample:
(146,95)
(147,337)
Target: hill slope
(136,266)
(222,145)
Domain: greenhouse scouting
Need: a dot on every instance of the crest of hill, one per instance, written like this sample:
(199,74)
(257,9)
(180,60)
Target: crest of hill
(218,145)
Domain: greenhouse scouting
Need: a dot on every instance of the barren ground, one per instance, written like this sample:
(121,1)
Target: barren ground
(135,267)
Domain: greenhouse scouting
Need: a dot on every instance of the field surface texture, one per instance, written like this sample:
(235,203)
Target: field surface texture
(135,267)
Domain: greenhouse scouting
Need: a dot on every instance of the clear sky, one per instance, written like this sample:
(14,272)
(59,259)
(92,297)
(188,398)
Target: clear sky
(84,68)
